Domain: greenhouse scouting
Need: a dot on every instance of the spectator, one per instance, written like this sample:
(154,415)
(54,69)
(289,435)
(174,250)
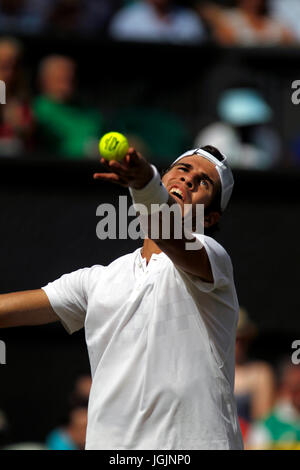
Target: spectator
(81,391)
(244,131)
(157,21)
(87,17)
(22,16)
(247,24)
(72,435)
(287,12)
(65,16)
(16,119)
(254,380)
(66,128)
(281,429)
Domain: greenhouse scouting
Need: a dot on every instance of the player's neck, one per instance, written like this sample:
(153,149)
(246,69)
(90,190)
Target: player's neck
(149,248)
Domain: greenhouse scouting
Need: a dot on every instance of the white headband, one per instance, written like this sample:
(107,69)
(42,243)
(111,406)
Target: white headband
(223,169)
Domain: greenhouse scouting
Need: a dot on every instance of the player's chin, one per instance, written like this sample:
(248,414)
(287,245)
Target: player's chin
(176,200)
(184,207)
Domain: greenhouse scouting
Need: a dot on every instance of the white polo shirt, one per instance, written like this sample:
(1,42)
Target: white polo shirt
(161,347)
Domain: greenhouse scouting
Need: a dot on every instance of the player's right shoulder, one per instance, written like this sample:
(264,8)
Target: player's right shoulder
(116,264)
(123,260)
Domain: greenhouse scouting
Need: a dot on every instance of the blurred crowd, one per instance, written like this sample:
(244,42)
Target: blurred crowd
(242,22)
(70,434)
(267,397)
(55,121)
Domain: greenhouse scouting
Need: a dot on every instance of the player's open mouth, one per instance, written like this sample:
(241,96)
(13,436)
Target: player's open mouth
(177,192)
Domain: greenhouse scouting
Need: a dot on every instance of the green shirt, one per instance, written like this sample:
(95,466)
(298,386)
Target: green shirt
(65,129)
(279,430)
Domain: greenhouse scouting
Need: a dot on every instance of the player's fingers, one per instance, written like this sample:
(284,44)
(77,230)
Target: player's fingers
(111,178)
(104,162)
(106,176)
(115,165)
(112,165)
(121,168)
(133,157)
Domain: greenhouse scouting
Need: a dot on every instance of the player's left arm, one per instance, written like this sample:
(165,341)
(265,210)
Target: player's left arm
(135,172)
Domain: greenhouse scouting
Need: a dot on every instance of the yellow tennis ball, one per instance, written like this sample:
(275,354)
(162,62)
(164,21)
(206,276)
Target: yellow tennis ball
(113,146)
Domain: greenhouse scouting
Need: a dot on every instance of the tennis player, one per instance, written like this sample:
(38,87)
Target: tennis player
(160,323)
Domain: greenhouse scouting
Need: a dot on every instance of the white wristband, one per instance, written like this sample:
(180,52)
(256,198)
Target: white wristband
(153,193)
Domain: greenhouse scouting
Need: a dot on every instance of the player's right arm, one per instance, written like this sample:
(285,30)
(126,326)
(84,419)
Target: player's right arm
(26,308)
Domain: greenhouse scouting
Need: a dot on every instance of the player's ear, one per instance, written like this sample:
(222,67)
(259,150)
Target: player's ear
(211,219)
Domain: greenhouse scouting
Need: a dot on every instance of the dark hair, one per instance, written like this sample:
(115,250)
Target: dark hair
(215,205)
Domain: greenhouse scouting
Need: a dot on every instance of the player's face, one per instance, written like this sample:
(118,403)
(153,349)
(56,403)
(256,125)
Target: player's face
(192,180)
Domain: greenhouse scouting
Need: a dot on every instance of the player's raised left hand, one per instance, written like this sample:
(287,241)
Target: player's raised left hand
(133,170)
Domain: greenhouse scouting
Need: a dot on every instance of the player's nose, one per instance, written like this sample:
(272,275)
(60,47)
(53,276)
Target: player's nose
(189,180)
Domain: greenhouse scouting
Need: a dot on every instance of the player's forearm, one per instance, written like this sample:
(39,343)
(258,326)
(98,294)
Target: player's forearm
(194,261)
(25,308)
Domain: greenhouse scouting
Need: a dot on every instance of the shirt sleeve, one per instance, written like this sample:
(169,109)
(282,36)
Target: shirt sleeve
(220,265)
(68,297)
